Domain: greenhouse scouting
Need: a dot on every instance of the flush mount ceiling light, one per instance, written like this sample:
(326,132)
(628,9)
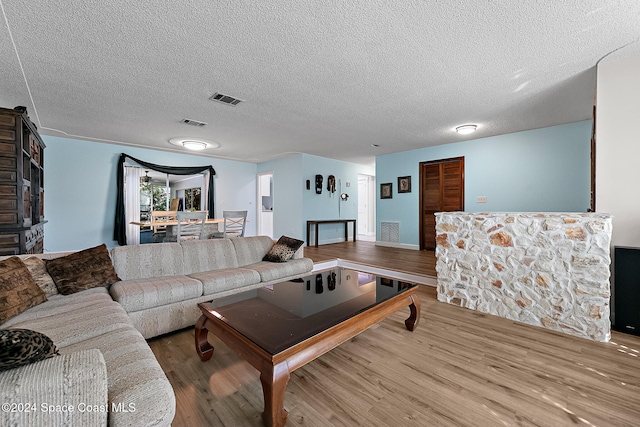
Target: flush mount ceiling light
(193,144)
(466,129)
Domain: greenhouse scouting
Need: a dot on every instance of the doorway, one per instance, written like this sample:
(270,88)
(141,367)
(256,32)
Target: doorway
(366,207)
(265,204)
(441,189)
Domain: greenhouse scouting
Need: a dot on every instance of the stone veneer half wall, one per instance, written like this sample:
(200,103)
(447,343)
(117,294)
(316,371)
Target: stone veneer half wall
(543,269)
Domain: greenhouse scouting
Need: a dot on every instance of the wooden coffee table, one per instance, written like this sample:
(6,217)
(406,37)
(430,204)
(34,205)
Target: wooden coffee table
(276,331)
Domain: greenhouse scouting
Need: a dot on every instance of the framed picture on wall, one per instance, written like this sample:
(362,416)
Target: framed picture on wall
(404,184)
(386,190)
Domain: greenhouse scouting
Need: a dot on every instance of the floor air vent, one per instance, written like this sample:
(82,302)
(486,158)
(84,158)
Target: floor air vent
(225,99)
(389,231)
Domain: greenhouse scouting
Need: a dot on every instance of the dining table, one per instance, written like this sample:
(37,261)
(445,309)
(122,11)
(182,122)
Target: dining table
(171,222)
(170,225)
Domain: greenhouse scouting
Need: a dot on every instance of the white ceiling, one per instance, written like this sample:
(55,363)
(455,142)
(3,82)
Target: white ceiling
(327,78)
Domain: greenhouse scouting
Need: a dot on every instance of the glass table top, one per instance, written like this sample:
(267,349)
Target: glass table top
(282,315)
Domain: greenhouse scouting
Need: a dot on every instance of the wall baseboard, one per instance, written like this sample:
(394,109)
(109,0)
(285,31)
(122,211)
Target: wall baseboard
(398,245)
(377,242)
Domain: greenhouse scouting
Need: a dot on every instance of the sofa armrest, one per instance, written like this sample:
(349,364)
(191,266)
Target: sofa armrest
(70,389)
(299,253)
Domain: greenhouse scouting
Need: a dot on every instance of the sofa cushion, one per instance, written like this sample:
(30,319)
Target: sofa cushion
(250,250)
(141,294)
(78,379)
(70,320)
(89,268)
(149,260)
(216,281)
(138,387)
(41,276)
(23,346)
(18,290)
(283,250)
(208,254)
(61,304)
(270,271)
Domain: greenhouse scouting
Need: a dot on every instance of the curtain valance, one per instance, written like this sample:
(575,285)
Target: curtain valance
(119,232)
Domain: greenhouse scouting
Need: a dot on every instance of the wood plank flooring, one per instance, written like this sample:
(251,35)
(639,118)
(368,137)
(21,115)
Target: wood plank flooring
(367,253)
(459,368)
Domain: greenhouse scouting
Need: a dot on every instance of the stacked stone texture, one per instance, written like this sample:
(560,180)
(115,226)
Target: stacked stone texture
(543,269)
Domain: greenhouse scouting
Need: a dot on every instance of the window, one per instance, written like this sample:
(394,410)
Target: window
(192,199)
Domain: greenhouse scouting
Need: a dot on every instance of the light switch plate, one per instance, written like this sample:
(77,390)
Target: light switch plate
(482,199)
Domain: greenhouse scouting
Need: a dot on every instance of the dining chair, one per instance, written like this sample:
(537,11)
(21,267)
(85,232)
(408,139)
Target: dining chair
(157,218)
(176,204)
(233,225)
(190,226)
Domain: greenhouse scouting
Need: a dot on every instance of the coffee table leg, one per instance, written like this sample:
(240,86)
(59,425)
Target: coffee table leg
(274,381)
(412,322)
(203,348)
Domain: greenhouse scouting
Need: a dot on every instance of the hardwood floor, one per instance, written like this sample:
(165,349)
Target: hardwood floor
(367,253)
(458,368)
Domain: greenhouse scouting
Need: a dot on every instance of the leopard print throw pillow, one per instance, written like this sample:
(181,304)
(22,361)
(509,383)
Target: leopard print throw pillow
(23,346)
(283,250)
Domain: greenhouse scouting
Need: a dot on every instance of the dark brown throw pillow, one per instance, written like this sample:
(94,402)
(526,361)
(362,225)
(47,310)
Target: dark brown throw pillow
(283,250)
(18,290)
(82,270)
(23,346)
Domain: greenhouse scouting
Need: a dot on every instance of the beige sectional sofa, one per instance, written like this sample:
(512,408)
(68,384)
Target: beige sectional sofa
(105,363)
(162,283)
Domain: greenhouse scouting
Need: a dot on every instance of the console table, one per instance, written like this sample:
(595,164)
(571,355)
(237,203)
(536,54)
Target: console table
(330,221)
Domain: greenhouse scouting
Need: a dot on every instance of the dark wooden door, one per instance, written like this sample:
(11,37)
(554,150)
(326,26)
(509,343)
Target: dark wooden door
(441,189)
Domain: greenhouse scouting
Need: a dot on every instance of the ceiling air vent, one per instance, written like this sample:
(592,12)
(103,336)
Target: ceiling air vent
(225,99)
(192,122)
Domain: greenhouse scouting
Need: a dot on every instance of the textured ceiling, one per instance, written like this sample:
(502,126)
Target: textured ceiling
(327,78)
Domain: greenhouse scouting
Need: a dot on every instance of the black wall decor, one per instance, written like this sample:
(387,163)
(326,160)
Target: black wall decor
(331,184)
(318,184)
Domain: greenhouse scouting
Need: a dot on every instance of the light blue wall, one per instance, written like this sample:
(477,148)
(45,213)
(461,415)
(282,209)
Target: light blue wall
(328,205)
(293,204)
(80,189)
(287,195)
(541,170)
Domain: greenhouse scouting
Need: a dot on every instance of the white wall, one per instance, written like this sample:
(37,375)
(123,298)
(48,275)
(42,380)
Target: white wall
(618,147)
